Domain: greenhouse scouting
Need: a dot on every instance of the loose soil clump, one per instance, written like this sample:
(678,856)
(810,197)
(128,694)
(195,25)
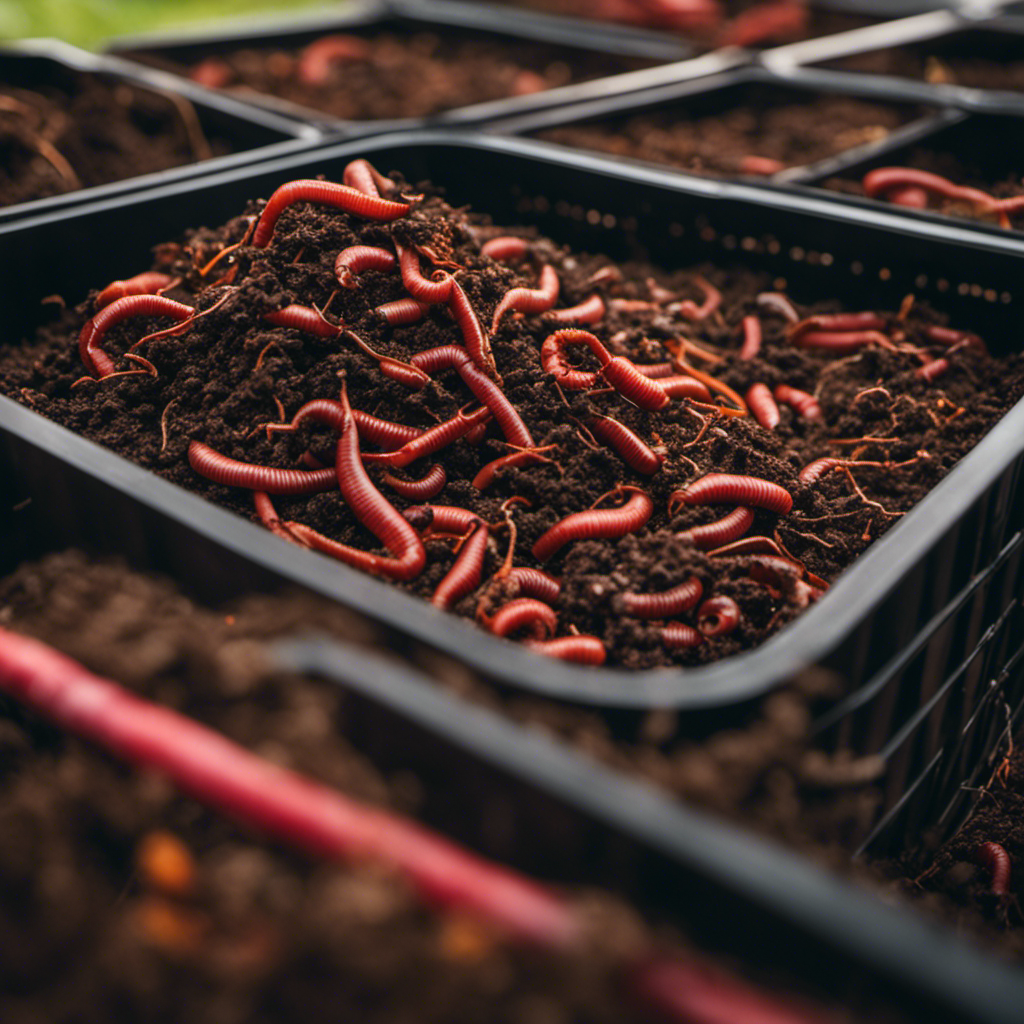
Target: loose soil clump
(60,139)
(904,404)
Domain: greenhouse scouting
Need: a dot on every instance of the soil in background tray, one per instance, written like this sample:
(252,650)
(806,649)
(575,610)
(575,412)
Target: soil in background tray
(121,900)
(395,75)
(760,138)
(231,373)
(55,139)
(961,172)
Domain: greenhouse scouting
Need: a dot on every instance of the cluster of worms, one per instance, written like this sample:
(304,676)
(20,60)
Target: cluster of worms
(625,410)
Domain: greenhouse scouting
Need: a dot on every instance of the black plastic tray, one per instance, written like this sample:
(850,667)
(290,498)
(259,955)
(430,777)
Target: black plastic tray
(670,52)
(253,134)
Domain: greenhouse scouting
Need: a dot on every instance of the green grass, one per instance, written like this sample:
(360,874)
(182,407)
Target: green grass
(88,22)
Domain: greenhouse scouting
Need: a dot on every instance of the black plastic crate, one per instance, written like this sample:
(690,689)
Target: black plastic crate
(662,51)
(251,134)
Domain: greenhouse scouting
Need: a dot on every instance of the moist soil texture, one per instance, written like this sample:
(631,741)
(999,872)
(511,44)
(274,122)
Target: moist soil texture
(60,139)
(781,133)
(122,900)
(231,373)
(939,68)
(396,75)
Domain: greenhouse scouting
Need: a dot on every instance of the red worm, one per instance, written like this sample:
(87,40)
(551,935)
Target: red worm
(95,359)
(304,318)
(394,369)
(331,412)
(841,343)
(832,322)
(721,488)
(535,583)
(327,193)
(806,405)
(402,312)
(947,336)
(718,616)
(779,303)
(222,470)
(357,258)
(465,574)
(633,450)
(685,387)
(582,650)
(656,371)
(677,636)
(269,517)
(910,195)
(763,166)
(933,370)
(147,283)
(665,604)
(473,337)
(594,523)
(751,337)
(362,175)
(523,613)
(505,248)
(881,181)
(722,531)
(485,477)
(315,60)
(760,402)
(815,470)
(433,439)
(590,311)
(428,486)
(419,287)
(712,300)
(995,859)
(748,546)
(779,19)
(529,300)
(441,518)
(484,389)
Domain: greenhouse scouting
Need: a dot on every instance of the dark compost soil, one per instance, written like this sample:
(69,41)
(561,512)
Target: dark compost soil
(231,373)
(790,133)
(122,900)
(56,139)
(408,74)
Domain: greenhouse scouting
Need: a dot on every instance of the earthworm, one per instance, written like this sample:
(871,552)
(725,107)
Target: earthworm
(477,343)
(529,300)
(362,175)
(357,258)
(996,860)
(223,470)
(315,60)
(522,613)
(441,518)
(465,574)
(739,406)
(656,370)
(881,181)
(580,649)
(327,193)
(95,359)
(762,166)
(722,531)
(505,248)
(934,369)
(487,473)
(751,338)
(677,636)
(590,311)
(762,406)
(815,470)
(784,575)
(484,389)
(428,486)
(419,287)
(433,439)
(721,488)
(212,73)
(718,616)
(595,523)
(684,386)
(712,300)
(330,411)
(633,450)
(779,303)
(535,583)
(269,517)
(806,405)
(947,336)
(632,305)
(841,342)
(777,19)
(150,282)
(747,546)
(910,195)
(842,322)
(394,369)
(402,312)
(665,604)
(304,318)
